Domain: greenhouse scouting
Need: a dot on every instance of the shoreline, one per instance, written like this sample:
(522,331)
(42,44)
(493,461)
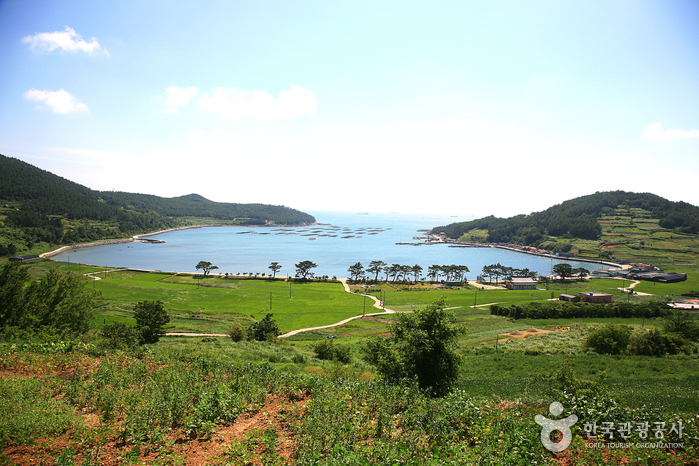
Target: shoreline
(137,238)
(142,238)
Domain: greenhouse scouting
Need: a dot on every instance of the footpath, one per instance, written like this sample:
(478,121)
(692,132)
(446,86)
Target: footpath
(377,304)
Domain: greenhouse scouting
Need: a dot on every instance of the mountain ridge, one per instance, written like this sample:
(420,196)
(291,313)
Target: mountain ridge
(577,218)
(41,207)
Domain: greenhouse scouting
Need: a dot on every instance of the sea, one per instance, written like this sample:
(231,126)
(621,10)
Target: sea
(338,241)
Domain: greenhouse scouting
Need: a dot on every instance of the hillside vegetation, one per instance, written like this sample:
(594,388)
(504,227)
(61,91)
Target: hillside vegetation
(39,209)
(591,224)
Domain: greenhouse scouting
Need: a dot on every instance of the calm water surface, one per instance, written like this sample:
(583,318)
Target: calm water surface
(342,240)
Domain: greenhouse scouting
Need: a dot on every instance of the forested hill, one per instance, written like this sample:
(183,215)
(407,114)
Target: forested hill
(40,207)
(578,218)
(194,205)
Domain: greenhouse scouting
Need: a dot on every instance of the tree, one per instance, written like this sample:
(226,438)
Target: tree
(433,272)
(487,272)
(581,272)
(274,267)
(393,271)
(264,329)
(13,279)
(423,346)
(151,318)
(497,270)
(356,271)
(563,270)
(416,270)
(206,267)
(376,267)
(59,301)
(303,268)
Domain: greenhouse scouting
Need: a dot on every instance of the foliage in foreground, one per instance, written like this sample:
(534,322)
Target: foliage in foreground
(142,403)
(423,346)
(57,302)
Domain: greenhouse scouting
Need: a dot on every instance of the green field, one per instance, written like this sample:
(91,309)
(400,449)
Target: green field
(215,302)
(276,402)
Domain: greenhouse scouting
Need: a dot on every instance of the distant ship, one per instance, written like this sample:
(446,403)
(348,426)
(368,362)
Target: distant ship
(362,213)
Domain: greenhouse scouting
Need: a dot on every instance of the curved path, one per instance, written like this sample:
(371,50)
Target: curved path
(377,304)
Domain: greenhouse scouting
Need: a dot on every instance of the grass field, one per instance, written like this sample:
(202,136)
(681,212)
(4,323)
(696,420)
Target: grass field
(294,305)
(210,305)
(216,401)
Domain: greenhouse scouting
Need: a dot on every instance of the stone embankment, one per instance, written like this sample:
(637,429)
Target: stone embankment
(85,245)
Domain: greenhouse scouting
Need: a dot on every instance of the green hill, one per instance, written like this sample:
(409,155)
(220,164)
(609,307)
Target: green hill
(582,218)
(39,209)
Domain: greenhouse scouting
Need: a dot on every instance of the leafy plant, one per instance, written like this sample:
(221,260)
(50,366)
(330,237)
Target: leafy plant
(119,335)
(609,339)
(328,350)
(264,329)
(657,343)
(423,346)
(151,316)
(237,333)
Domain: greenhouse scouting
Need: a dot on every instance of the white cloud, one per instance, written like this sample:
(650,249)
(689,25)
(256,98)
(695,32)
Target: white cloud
(295,102)
(196,134)
(57,101)
(178,97)
(655,132)
(68,40)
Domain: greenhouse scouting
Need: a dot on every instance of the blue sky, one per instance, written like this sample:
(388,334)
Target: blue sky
(462,108)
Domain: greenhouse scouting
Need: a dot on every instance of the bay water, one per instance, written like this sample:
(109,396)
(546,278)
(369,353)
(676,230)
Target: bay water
(340,240)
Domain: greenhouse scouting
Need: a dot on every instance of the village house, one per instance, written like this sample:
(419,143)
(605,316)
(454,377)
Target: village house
(595,297)
(520,283)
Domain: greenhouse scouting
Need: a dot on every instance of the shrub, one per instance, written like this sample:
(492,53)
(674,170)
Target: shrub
(681,323)
(237,333)
(657,343)
(264,329)
(119,335)
(328,350)
(423,346)
(59,301)
(609,339)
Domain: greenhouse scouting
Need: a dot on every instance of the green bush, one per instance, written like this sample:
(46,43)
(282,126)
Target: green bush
(681,323)
(609,339)
(58,301)
(151,317)
(264,329)
(328,350)
(119,335)
(423,346)
(237,333)
(657,343)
